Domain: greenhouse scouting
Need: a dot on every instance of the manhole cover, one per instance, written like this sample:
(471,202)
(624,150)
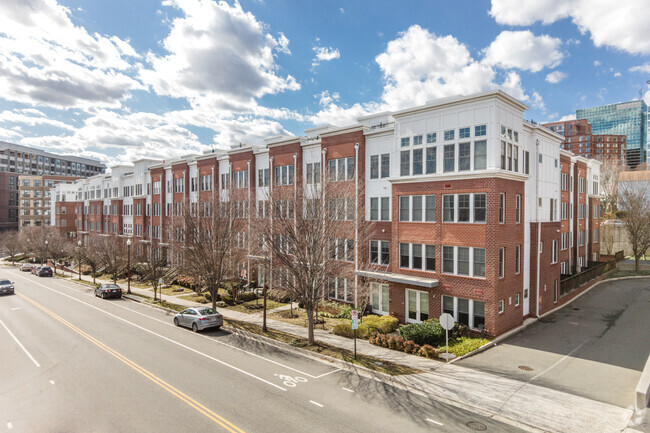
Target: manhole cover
(477,426)
(525,368)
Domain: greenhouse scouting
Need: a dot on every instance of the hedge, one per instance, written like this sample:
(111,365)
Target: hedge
(368,325)
(428,332)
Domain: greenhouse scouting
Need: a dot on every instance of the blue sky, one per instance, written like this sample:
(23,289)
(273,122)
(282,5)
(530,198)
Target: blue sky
(121,79)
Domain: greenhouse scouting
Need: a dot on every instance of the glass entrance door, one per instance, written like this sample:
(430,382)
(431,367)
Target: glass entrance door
(417,306)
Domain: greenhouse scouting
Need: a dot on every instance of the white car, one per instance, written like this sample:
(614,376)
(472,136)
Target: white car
(6,287)
(199,318)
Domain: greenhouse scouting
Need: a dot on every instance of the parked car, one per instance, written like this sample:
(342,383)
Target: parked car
(108,290)
(35,268)
(6,287)
(44,271)
(26,267)
(199,318)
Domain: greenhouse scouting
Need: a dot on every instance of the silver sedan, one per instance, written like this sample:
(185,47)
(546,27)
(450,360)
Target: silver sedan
(199,318)
(6,287)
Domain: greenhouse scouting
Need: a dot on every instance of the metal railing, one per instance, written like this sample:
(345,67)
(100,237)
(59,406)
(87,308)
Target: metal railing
(574,281)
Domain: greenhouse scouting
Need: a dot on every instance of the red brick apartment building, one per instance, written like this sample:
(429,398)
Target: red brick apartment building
(470,209)
(579,140)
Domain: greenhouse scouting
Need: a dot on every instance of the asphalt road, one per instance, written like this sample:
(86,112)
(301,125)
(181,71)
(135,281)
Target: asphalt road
(70,362)
(596,347)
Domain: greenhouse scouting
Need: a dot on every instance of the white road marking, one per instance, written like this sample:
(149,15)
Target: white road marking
(317,404)
(20,344)
(348,390)
(52,382)
(10,426)
(167,323)
(435,422)
(560,360)
(166,339)
(16,309)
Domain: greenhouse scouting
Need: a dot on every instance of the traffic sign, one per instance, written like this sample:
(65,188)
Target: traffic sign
(447,321)
(354,314)
(355,323)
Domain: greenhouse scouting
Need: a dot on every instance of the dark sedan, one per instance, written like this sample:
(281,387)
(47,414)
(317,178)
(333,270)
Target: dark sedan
(44,271)
(6,287)
(108,290)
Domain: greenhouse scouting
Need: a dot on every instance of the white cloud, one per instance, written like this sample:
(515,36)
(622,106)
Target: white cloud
(538,102)
(555,77)
(567,117)
(622,25)
(342,10)
(324,97)
(645,68)
(325,54)
(46,59)
(523,50)
(597,63)
(617,74)
(32,117)
(218,53)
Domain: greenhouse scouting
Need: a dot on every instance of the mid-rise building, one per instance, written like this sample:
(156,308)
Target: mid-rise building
(626,118)
(17,160)
(469,209)
(579,140)
(35,197)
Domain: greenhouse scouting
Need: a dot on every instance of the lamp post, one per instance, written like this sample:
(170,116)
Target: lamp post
(128,266)
(46,252)
(79,258)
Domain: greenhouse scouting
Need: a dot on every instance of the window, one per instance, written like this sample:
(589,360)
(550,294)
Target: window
(263,177)
(379,298)
(179,185)
(564,241)
(563,268)
(555,291)
(501,306)
(564,210)
(284,175)
(595,236)
(431,137)
(206,182)
(553,207)
(417,306)
(417,140)
(405,163)
(431,160)
(342,249)
(374,167)
(379,252)
(464,261)
(417,256)
(378,213)
(464,156)
(480,155)
(466,311)
(554,251)
(417,161)
(464,132)
(517,259)
(463,208)
(385,165)
(565,181)
(502,262)
(480,130)
(449,135)
(518,208)
(449,162)
(406,141)
(526,162)
(417,208)
(503,155)
(502,208)
(341,289)
(479,208)
(517,299)
(225,181)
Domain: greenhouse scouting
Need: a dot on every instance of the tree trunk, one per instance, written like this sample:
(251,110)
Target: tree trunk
(155,291)
(213,296)
(264,328)
(310,324)
(636,263)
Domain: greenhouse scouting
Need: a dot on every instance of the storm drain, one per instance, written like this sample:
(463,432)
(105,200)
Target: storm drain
(525,368)
(576,309)
(476,426)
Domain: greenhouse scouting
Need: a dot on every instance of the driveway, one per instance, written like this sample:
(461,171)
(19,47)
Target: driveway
(595,347)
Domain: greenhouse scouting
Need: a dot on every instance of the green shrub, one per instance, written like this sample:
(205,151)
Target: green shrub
(428,352)
(460,330)
(346,312)
(429,332)
(396,343)
(343,329)
(278,295)
(409,346)
(227,299)
(247,296)
(381,324)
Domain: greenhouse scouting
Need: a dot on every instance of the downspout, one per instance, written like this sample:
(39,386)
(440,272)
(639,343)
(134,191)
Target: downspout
(539,233)
(324,208)
(356,222)
(271,180)
(248,234)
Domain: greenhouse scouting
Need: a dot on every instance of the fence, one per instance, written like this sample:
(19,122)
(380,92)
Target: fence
(577,280)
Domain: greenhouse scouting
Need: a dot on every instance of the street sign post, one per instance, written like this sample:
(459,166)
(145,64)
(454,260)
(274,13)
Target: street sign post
(447,322)
(354,315)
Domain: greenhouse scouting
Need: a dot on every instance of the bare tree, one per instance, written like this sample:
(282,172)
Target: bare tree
(635,203)
(32,240)
(89,255)
(58,246)
(205,237)
(112,253)
(607,236)
(609,175)
(152,263)
(11,244)
(309,238)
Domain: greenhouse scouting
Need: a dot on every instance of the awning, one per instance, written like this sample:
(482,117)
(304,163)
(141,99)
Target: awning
(399,278)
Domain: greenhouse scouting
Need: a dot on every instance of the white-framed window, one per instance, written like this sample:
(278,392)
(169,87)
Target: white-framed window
(341,209)
(463,261)
(517,259)
(379,298)
(312,172)
(565,181)
(554,251)
(469,312)
(464,208)
(417,256)
(379,252)
(341,169)
(518,208)
(449,134)
(341,289)
(480,130)
(517,299)
(263,177)
(342,249)
(502,262)
(380,166)
(283,175)
(501,306)
(240,179)
(595,237)
(502,208)
(564,207)
(179,184)
(564,241)
(555,291)
(417,208)
(379,208)
(225,180)
(563,268)
(417,306)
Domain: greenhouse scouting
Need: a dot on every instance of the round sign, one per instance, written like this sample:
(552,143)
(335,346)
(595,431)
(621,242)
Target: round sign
(354,314)
(447,321)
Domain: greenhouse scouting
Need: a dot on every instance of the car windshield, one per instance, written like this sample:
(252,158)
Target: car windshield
(111,286)
(206,311)
(3,282)
(45,268)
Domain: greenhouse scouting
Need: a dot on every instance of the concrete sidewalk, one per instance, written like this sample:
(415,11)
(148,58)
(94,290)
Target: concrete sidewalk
(520,403)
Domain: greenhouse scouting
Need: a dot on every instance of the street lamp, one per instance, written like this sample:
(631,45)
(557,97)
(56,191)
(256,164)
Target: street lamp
(46,252)
(128,266)
(79,258)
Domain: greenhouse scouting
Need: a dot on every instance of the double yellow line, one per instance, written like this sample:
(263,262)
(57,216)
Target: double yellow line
(227,425)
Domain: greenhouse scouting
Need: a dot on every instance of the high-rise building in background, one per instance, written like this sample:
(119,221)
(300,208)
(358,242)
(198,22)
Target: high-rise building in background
(17,160)
(579,140)
(626,118)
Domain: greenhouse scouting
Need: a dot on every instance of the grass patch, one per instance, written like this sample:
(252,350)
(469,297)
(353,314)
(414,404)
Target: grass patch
(300,318)
(195,298)
(631,273)
(464,345)
(250,306)
(334,352)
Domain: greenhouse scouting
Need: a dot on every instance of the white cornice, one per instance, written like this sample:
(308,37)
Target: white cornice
(439,177)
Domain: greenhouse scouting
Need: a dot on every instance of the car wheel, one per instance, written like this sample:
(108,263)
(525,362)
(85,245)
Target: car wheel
(175,321)
(217,328)
(195,328)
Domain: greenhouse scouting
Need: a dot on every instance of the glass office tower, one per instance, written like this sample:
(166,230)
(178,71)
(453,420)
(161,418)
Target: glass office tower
(628,118)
